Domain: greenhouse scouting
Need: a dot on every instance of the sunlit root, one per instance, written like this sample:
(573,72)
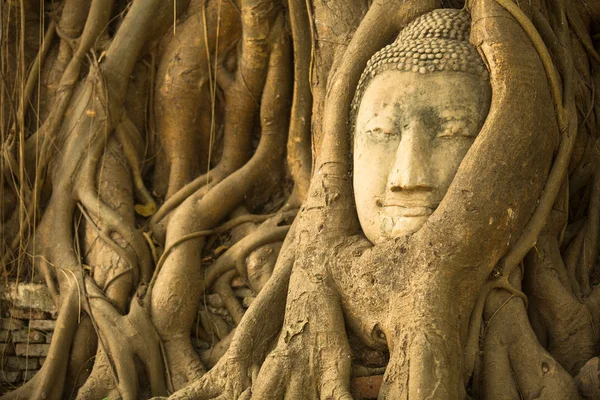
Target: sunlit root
(234,372)
(566,322)
(187,114)
(123,338)
(514,363)
(180,276)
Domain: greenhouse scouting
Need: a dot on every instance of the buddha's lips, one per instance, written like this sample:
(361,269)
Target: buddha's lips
(408,208)
(405,210)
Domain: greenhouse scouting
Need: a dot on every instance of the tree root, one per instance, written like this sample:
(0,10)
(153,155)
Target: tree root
(252,340)
(565,320)
(235,257)
(208,209)
(514,363)
(298,147)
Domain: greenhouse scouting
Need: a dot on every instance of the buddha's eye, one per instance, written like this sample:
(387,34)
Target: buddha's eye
(456,128)
(380,132)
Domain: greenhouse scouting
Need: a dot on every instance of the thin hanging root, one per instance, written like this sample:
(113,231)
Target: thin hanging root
(567,123)
(213,324)
(572,257)
(38,63)
(235,256)
(575,23)
(126,131)
(299,149)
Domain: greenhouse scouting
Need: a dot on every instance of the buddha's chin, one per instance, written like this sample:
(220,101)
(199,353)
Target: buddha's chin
(395,226)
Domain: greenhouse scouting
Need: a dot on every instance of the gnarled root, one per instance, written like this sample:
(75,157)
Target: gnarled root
(123,338)
(312,358)
(514,363)
(252,339)
(179,278)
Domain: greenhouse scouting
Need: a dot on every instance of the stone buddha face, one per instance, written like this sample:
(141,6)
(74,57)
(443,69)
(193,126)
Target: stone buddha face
(412,131)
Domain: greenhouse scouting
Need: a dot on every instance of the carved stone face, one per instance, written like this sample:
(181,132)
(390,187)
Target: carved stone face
(412,132)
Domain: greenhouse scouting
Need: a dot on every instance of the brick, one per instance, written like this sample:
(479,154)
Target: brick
(22,363)
(21,313)
(366,387)
(27,375)
(33,350)
(11,324)
(8,376)
(4,336)
(7,348)
(41,360)
(49,337)
(28,336)
(47,325)
(28,296)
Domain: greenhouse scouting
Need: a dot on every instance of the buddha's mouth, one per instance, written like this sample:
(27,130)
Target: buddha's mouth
(407,209)
(403,211)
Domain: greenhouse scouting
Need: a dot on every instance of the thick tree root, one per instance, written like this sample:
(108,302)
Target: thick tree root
(514,363)
(180,276)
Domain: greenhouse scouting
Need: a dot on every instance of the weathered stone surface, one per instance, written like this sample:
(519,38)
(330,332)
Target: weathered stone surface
(20,362)
(4,336)
(41,360)
(8,376)
(22,313)
(33,350)
(11,324)
(48,337)
(42,324)
(28,295)
(28,336)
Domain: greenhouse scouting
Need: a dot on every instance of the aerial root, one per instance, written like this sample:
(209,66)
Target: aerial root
(130,139)
(113,222)
(129,257)
(513,357)
(125,338)
(475,323)
(223,288)
(235,257)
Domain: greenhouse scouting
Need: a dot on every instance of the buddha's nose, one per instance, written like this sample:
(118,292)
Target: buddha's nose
(411,168)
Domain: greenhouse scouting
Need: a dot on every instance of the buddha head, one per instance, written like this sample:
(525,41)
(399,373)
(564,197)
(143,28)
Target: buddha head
(419,105)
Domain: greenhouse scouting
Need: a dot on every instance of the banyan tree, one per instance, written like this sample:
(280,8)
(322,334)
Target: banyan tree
(266,199)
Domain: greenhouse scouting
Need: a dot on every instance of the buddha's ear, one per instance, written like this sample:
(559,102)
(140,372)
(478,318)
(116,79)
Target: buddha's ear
(380,25)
